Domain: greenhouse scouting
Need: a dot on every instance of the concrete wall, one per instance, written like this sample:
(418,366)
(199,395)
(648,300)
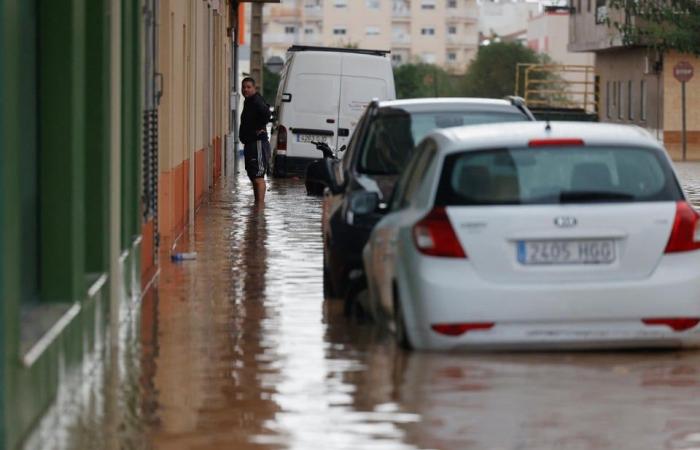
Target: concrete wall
(505,18)
(549,33)
(620,68)
(194,58)
(588,34)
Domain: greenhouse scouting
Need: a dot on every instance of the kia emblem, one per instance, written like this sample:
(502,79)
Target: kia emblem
(565,221)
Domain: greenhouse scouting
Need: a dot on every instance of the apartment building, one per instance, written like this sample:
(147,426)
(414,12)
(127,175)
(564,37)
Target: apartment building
(443,32)
(637,85)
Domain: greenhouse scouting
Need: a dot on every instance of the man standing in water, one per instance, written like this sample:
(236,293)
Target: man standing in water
(253,134)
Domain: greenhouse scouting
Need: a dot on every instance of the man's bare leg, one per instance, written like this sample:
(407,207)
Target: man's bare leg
(259,190)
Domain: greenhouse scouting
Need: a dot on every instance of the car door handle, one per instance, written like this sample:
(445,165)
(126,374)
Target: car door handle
(343,132)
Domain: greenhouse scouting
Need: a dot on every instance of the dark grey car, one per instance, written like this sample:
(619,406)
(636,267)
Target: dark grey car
(362,182)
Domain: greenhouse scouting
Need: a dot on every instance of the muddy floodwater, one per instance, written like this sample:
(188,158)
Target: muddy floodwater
(239,350)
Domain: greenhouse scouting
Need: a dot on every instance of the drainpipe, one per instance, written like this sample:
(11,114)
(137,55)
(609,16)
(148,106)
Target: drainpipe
(191,125)
(234,85)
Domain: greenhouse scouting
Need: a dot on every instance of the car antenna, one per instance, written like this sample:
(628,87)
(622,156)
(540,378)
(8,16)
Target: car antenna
(548,127)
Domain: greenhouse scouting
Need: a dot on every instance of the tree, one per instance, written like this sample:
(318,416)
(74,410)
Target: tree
(492,73)
(424,80)
(662,25)
(271,81)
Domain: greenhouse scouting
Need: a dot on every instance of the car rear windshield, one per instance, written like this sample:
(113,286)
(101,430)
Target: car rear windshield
(393,135)
(556,175)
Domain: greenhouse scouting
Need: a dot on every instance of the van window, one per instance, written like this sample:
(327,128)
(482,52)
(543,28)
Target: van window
(556,175)
(316,94)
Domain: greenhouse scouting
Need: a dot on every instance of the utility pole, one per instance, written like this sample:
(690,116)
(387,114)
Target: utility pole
(256,44)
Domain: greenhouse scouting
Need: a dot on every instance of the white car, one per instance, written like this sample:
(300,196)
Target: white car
(538,235)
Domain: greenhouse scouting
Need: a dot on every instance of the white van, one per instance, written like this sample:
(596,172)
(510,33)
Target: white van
(321,95)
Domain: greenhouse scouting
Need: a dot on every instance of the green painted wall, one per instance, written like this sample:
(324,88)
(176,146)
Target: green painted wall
(54,185)
(62,148)
(10,76)
(97,136)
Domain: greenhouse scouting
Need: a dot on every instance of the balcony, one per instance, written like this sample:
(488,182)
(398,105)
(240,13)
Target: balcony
(401,40)
(283,14)
(458,15)
(460,41)
(401,11)
(313,12)
(280,38)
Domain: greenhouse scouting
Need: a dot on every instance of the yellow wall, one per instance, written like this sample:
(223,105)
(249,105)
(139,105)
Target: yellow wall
(194,58)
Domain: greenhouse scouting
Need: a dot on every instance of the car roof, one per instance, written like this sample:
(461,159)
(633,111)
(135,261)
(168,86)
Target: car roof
(519,134)
(437,101)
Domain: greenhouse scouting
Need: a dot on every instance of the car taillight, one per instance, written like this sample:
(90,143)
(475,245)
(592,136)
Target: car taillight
(458,329)
(685,234)
(434,235)
(281,137)
(675,323)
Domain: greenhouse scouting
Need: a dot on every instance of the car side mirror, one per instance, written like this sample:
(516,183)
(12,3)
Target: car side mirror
(364,202)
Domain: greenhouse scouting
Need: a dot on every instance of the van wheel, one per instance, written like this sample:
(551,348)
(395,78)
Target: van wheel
(314,189)
(400,323)
(278,167)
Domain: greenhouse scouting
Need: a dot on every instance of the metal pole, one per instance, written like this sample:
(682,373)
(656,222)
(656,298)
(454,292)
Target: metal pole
(683,136)
(256,45)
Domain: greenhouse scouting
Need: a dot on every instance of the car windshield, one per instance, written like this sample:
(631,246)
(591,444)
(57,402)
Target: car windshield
(393,135)
(556,175)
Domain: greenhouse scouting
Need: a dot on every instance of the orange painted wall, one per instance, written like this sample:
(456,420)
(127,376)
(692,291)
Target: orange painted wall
(172,200)
(199,173)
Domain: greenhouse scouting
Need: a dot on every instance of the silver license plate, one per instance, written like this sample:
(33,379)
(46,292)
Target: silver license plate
(311,138)
(575,251)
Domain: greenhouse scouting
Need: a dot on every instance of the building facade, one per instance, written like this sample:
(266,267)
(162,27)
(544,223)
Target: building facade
(505,21)
(102,104)
(443,32)
(548,33)
(637,85)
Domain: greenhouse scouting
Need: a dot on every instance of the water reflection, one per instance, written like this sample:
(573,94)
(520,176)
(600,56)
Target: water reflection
(689,172)
(239,350)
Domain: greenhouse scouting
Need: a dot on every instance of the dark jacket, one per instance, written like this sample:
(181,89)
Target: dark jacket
(255,115)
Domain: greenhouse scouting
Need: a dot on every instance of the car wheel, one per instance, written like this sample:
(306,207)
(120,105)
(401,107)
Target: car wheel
(328,288)
(400,323)
(354,307)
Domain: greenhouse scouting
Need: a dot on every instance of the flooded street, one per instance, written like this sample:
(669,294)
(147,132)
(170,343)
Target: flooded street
(239,350)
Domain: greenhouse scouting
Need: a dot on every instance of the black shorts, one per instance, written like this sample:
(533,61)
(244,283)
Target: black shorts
(257,156)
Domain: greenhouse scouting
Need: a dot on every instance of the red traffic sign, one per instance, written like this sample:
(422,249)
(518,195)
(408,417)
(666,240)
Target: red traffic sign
(683,71)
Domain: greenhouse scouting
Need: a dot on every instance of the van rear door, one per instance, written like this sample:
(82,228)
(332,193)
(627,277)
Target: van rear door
(314,85)
(364,78)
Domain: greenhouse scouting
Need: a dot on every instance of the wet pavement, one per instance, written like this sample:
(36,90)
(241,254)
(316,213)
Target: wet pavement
(239,350)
